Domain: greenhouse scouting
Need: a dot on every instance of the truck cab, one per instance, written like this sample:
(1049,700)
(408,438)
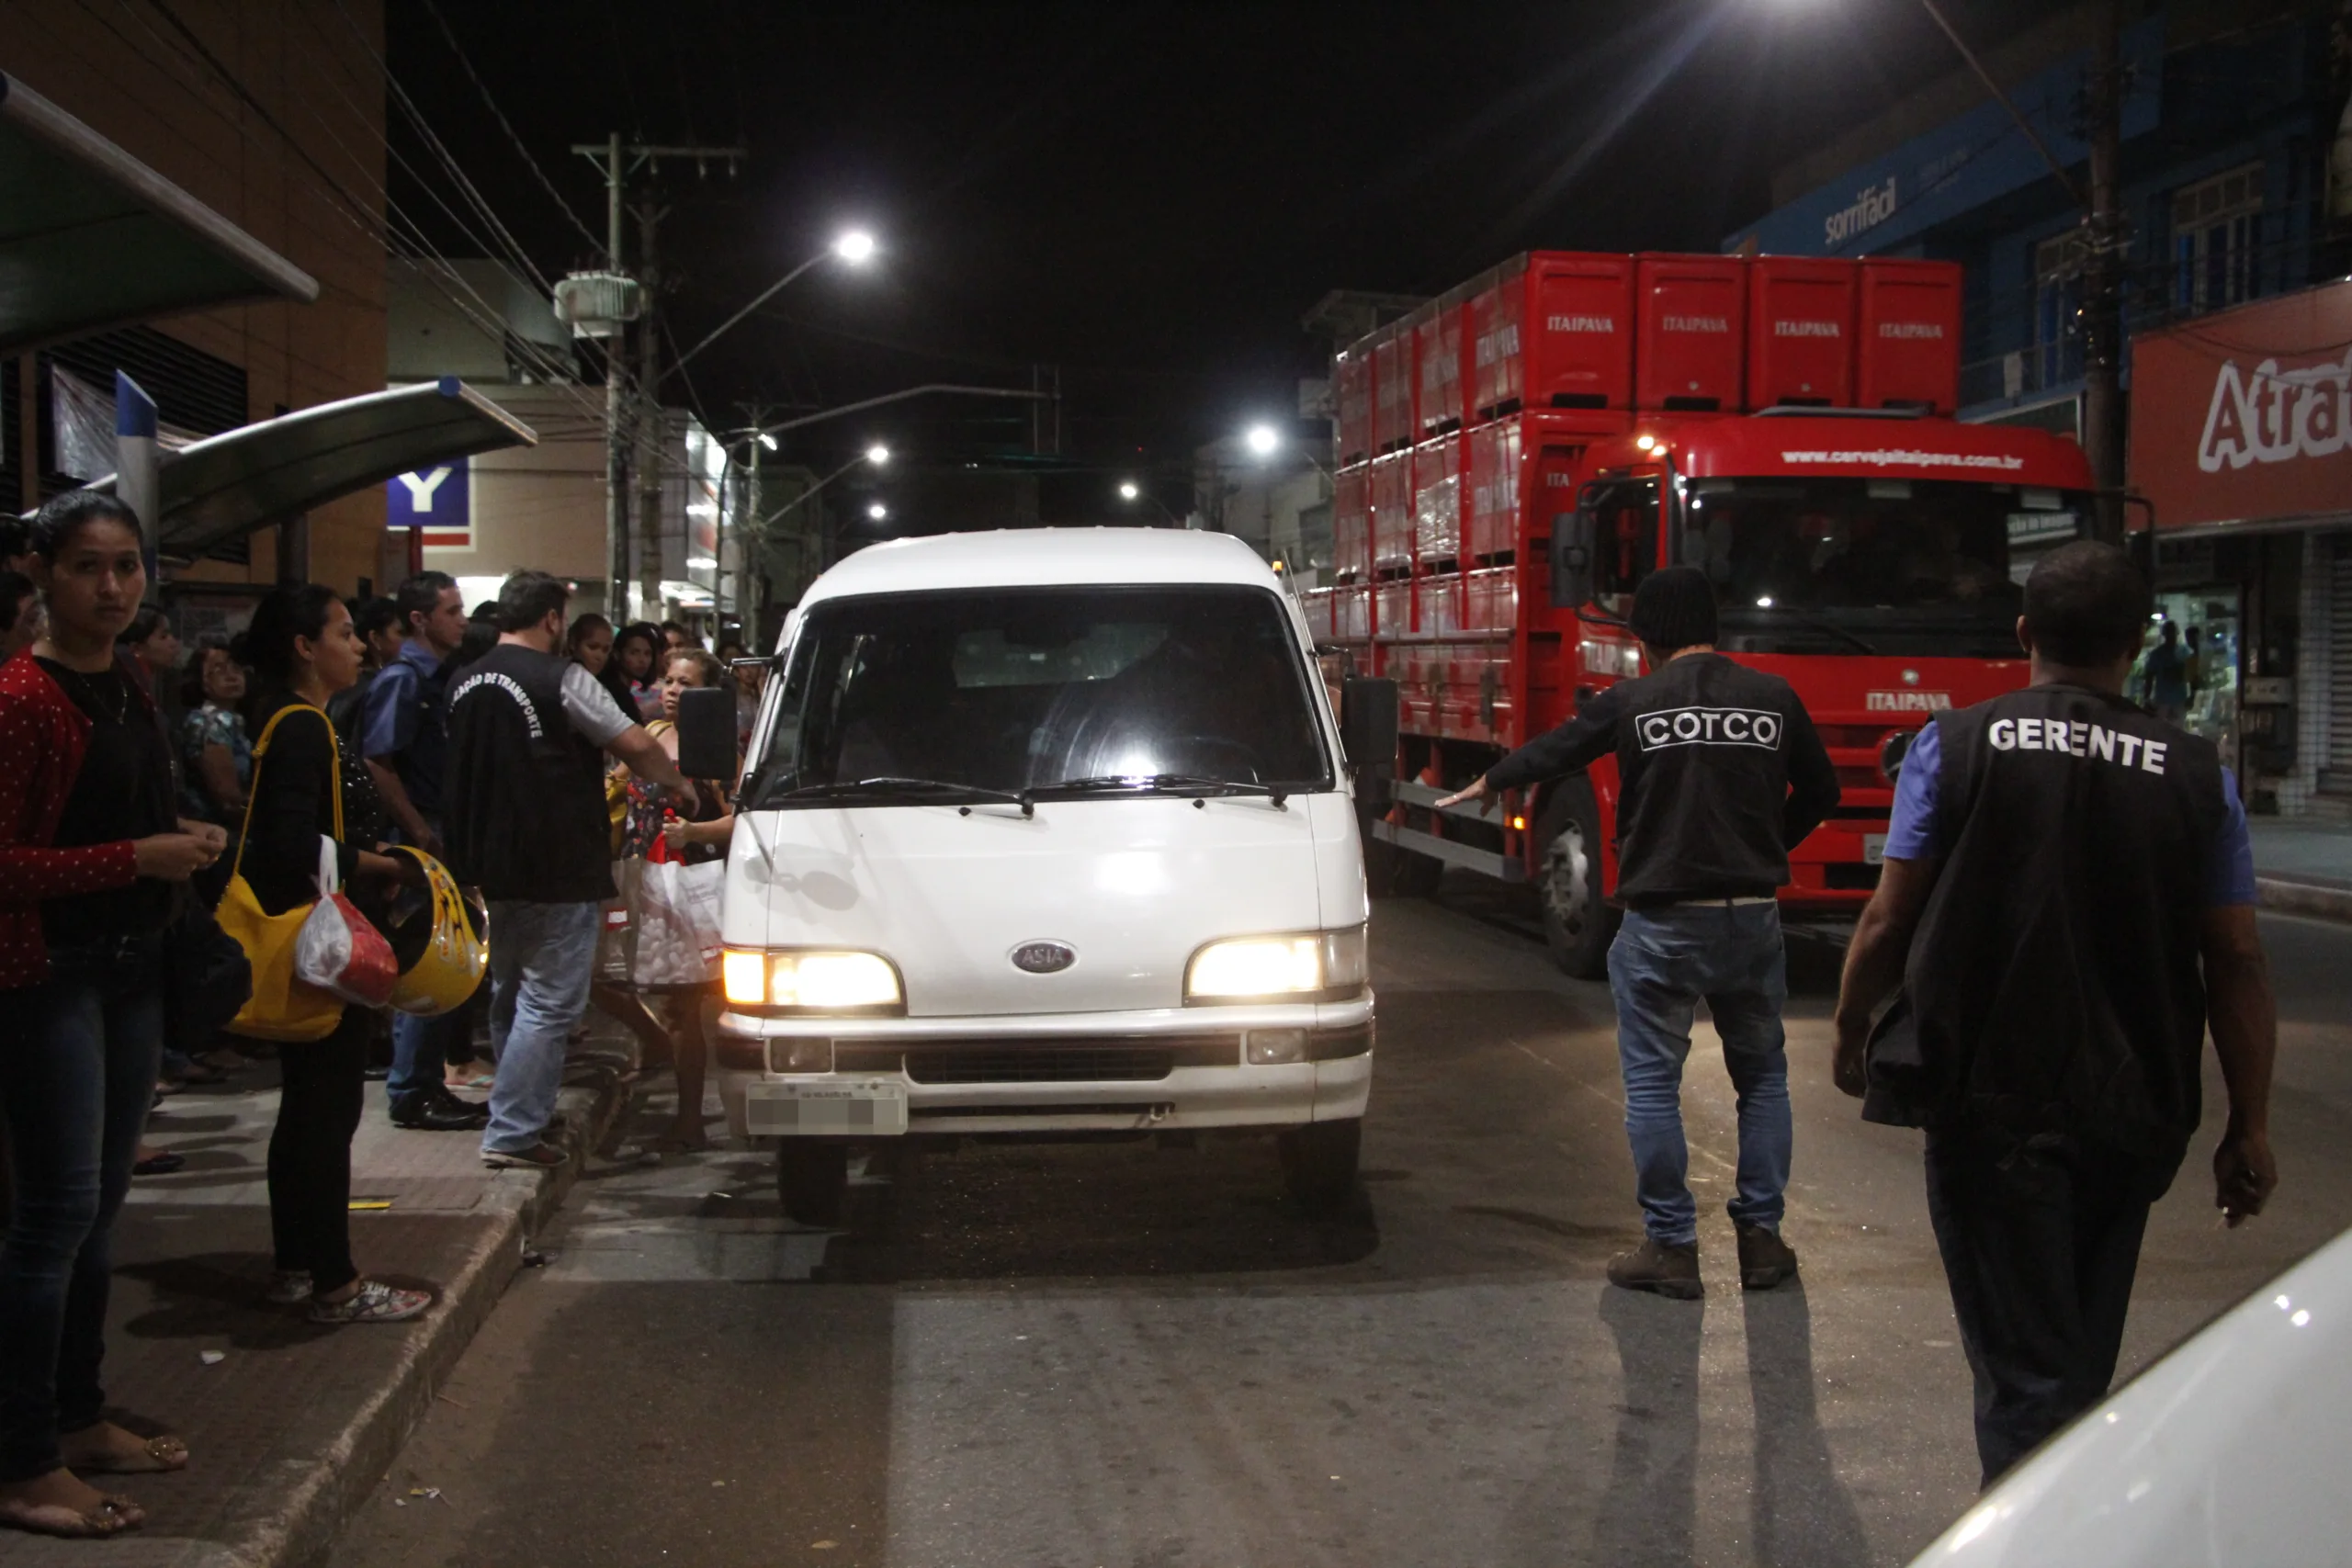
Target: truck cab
(1046,833)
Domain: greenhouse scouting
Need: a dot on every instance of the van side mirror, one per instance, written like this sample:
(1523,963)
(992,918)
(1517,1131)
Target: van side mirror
(706,732)
(1368,721)
(1572,548)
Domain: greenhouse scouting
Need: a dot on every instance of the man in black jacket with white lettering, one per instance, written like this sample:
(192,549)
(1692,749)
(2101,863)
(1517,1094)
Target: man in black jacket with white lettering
(1720,774)
(2068,901)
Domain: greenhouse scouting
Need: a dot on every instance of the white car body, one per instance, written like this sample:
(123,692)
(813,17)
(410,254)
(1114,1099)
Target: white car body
(2228,1453)
(1135,887)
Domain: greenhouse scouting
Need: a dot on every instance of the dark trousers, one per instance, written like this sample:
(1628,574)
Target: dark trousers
(2041,1238)
(322,1088)
(77,1069)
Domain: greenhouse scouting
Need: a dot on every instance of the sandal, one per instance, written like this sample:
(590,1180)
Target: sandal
(110,1518)
(373,1302)
(156,1456)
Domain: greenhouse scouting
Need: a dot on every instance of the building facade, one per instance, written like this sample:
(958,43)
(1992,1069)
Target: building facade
(2229,124)
(272,113)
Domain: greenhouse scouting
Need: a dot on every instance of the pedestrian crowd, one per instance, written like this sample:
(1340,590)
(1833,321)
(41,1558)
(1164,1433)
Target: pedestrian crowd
(176,823)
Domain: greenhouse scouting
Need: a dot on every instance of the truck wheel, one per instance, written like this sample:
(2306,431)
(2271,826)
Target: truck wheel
(812,1178)
(1320,1163)
(1576,924)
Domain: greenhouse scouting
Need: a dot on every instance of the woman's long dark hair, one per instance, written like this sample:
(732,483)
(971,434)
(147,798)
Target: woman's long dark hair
(289,611)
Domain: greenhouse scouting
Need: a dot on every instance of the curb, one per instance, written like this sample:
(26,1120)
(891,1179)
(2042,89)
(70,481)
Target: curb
(2313,898)
(311,1516)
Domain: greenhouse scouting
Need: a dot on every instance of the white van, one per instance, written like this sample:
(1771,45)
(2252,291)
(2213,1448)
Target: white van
(1045,832)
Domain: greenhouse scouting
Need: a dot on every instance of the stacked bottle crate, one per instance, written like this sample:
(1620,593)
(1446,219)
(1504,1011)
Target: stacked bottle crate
(1462,428)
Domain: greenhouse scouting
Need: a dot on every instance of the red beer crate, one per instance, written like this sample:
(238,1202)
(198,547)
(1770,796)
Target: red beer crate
(1439,612)
(1693,313)
(1352,613)
(1490,599)
(1350,526)
(1391,491)
(1351,393)
(1909,346)
(1437,500)
(1391,387)
(1392,608)
(1436,353)
(1493,522)
(1800,332)
(1576,331)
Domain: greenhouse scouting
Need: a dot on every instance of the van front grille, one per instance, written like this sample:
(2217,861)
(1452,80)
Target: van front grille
(1079,1059)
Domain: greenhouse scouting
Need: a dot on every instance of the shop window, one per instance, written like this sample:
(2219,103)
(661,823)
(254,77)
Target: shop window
(2216,233)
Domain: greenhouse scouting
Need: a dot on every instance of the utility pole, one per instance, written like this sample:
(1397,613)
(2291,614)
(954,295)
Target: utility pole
(2107,240)
(618,162)
(653,429)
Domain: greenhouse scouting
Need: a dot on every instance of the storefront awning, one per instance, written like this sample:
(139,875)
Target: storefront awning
(91,238)
(224,486)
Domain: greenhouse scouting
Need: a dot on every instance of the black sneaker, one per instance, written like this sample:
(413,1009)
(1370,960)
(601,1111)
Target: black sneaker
(1657,1268)
(423,1113)
(1765,1260)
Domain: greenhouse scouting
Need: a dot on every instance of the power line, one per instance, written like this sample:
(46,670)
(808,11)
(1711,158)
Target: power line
(523,151)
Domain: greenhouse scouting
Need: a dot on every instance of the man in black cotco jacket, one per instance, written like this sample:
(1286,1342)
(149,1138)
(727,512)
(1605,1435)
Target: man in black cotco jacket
(2068,902)
(1720,774)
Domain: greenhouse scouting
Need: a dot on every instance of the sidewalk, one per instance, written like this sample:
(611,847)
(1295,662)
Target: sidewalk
(291,1424)
(2303,867)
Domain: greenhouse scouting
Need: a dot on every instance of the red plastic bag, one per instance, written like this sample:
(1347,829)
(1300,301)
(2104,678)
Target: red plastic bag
(339,950)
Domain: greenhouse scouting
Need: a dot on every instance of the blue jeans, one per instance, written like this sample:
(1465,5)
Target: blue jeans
(421,1052)
(1663,963)
(77,1070)
(541,959)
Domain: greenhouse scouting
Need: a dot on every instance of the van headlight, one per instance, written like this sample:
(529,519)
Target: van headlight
(1300,967)
(812,981)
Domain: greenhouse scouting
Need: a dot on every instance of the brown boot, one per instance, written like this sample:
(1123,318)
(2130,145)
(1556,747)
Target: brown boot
(1653,1266)
(1765,1260)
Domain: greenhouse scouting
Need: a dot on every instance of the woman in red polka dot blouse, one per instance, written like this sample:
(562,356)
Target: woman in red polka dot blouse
(91,849)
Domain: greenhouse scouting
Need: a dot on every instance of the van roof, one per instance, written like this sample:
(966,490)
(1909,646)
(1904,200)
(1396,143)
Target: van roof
(1025,557)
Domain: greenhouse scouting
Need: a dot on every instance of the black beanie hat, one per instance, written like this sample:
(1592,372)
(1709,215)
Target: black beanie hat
(1675,608)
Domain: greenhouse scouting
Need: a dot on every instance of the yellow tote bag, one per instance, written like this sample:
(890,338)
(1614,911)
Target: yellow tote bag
(281,1007)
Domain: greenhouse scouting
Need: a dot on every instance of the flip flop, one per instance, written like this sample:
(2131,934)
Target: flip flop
(160,1164)
(157,1456)
(110,1518)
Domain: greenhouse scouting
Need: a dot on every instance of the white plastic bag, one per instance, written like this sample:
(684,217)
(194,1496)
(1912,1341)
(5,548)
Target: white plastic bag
(339,950)
(676,923)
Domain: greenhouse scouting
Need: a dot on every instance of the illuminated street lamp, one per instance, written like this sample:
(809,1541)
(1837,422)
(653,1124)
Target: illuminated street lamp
(1261,440)
(877,453)
(854,247)
(1129,490)
(877,512)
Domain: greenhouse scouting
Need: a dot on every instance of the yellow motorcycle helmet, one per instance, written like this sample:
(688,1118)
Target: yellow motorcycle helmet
(439,938)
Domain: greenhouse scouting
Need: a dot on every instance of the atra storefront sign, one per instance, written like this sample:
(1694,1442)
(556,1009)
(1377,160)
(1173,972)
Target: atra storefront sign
(2247,414)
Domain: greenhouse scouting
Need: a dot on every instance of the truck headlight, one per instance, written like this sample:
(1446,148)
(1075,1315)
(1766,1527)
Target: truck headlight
(810,981)
(1307,966)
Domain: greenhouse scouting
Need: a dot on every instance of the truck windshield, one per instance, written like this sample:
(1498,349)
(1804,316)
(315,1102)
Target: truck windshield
(1896,565)
(1017,692)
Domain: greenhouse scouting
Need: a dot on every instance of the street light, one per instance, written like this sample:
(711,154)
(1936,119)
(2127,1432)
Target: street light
(1261,440)
(1129,490)
(877,453)
(877,512)
(767,441)
(856,247)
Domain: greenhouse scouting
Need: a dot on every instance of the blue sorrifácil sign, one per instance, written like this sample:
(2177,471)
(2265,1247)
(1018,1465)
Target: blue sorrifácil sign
(1963,163)
(439,500)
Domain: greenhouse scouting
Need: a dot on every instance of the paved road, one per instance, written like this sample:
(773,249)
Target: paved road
(1131,1356)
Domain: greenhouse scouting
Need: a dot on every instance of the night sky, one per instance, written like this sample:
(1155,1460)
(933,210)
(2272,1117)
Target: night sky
(1148,197)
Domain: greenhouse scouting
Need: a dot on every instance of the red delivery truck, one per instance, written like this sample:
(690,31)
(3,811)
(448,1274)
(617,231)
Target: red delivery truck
(1782,422)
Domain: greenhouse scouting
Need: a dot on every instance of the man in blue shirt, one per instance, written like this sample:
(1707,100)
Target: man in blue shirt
(403,736)
(2068,902)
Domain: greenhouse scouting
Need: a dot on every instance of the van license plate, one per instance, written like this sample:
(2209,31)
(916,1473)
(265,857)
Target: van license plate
(1873,849)
(866,1108)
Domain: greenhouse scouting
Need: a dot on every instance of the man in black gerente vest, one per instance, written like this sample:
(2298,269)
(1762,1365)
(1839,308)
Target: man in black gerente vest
(524,818)
(1720,774)
(2068,902)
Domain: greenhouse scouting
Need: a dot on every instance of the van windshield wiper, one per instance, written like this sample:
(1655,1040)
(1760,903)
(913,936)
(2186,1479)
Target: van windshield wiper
(886,785)
(1142,784)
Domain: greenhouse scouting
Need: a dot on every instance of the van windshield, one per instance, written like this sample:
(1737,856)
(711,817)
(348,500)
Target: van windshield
(913,697)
